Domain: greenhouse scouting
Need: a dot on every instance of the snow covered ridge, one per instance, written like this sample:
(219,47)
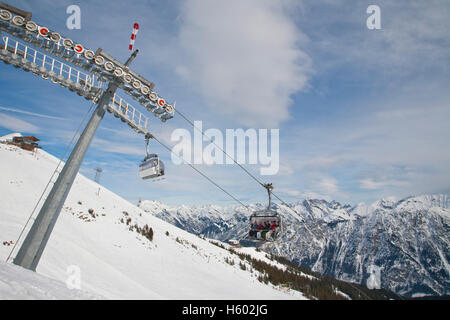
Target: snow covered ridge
(10,136)
(401,245)
(20,284)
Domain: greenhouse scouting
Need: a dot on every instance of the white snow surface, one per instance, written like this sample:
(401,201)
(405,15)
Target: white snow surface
(17,283)
(9,137)
(114,261)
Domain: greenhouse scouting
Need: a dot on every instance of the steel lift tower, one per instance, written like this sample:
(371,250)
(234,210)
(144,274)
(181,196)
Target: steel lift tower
(94,75)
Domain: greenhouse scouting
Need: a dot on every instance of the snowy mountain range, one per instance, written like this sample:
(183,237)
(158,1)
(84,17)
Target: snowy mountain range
(400,245)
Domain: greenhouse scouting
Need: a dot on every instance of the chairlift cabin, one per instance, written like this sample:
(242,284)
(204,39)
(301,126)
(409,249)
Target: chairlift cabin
(265,225)
(151,167)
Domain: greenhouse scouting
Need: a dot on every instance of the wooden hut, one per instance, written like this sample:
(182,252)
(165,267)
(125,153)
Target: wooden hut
(27,142)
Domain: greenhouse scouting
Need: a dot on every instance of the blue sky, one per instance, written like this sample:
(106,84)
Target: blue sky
(363,114)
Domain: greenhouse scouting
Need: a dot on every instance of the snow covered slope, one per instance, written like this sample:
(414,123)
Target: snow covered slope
(17,283)
(107,239)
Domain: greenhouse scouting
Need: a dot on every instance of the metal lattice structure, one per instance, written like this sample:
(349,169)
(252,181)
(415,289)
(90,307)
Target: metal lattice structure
(129,114)
(62,60)
(29,59)
(23,56)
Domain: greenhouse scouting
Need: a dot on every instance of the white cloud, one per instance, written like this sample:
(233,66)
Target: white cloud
(315,195)
(120,148)
(413,37)
(285,170)
(31,113)
(372,184)
(298,195)
(291,192)
(400,146)
(324,162)
(17,125)
(328,185)
(244,58)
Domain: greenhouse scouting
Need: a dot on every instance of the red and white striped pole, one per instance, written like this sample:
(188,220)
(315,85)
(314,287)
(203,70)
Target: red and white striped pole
(133,35)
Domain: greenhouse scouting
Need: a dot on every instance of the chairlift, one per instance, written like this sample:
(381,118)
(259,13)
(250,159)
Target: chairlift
(266,224)
(151,166)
